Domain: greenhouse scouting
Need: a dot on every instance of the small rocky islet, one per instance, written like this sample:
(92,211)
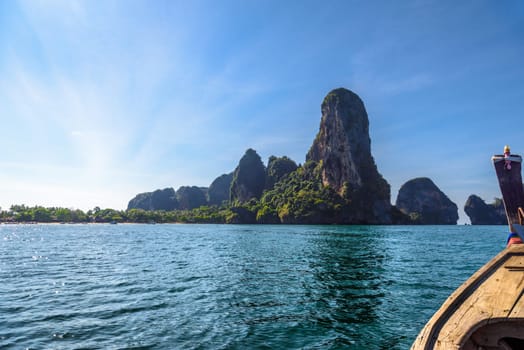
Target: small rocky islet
(338,184)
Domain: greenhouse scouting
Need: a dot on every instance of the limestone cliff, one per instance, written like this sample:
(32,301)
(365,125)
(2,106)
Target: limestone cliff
(219,189)
(157,200)
(343,149)
(277,168)
(426,204)
(249,178)
(190,197)
(481,213)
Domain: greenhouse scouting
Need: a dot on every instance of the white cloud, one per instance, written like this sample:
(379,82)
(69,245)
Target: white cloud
(101,124)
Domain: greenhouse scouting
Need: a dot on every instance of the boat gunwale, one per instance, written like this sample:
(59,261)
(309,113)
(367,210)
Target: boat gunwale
(466,290)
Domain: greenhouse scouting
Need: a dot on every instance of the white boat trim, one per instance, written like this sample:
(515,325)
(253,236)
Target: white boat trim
(513,158)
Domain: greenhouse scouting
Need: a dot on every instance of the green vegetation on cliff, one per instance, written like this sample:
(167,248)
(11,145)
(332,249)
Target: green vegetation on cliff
(277,169)
(338,184)
(298,196)
(301,197)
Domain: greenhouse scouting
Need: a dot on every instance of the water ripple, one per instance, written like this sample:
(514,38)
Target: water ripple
(229,287)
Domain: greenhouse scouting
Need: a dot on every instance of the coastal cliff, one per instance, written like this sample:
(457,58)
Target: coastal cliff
(249,178)
(342,147)
(480,213)
(218,191)
(277,169)
(185,198)
(191,197)
(338,184)
(157,200)
(425,203)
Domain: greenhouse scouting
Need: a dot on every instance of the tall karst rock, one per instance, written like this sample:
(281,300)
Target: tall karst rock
(219,189)
(249,178)
(191,197)
(342,147)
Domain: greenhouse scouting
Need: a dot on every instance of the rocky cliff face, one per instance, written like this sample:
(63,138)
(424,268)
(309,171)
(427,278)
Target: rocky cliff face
(190,197)
(481,213)
(426,204)
(277,168)
(343,148)
(185,198)
(219,189)
(158,200)
(249,178)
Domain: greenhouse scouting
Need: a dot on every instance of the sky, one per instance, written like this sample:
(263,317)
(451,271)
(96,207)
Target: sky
(101,100)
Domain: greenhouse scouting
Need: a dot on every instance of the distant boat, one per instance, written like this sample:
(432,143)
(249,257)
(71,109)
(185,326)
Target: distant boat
(113,222)
(487,311)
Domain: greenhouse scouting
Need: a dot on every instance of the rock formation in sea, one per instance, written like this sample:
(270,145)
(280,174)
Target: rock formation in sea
(191,197)
(338,184)
(218,191)
(249,178)
(481,213)
(342,147)
(157,200)
(426,204)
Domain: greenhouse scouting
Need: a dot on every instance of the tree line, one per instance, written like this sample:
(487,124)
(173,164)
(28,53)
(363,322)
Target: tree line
(40,214)
(295,197)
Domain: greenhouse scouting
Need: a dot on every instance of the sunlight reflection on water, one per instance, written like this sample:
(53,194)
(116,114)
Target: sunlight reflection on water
(234,287)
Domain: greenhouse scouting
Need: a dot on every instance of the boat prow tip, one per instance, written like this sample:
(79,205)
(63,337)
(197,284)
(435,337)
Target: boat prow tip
(516,237)
(513,238)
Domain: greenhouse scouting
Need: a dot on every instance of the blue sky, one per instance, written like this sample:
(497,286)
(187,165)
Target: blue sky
(100,100)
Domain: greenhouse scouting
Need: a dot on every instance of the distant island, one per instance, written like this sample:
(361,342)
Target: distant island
(338,184)
(481,213)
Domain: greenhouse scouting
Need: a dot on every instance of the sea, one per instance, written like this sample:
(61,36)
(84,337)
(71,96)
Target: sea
(131,286)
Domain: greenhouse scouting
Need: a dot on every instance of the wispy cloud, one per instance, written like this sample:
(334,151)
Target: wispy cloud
(112,103)
(82,122)
(118,98)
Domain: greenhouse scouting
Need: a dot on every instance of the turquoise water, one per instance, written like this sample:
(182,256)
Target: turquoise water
(230,287)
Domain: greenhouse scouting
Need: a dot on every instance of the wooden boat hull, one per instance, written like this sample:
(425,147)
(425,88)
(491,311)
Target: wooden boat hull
(510,182)
(486,312)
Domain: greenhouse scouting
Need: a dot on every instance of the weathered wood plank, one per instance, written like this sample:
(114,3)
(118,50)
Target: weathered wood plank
(491,295)
(510,182)
(487,311)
